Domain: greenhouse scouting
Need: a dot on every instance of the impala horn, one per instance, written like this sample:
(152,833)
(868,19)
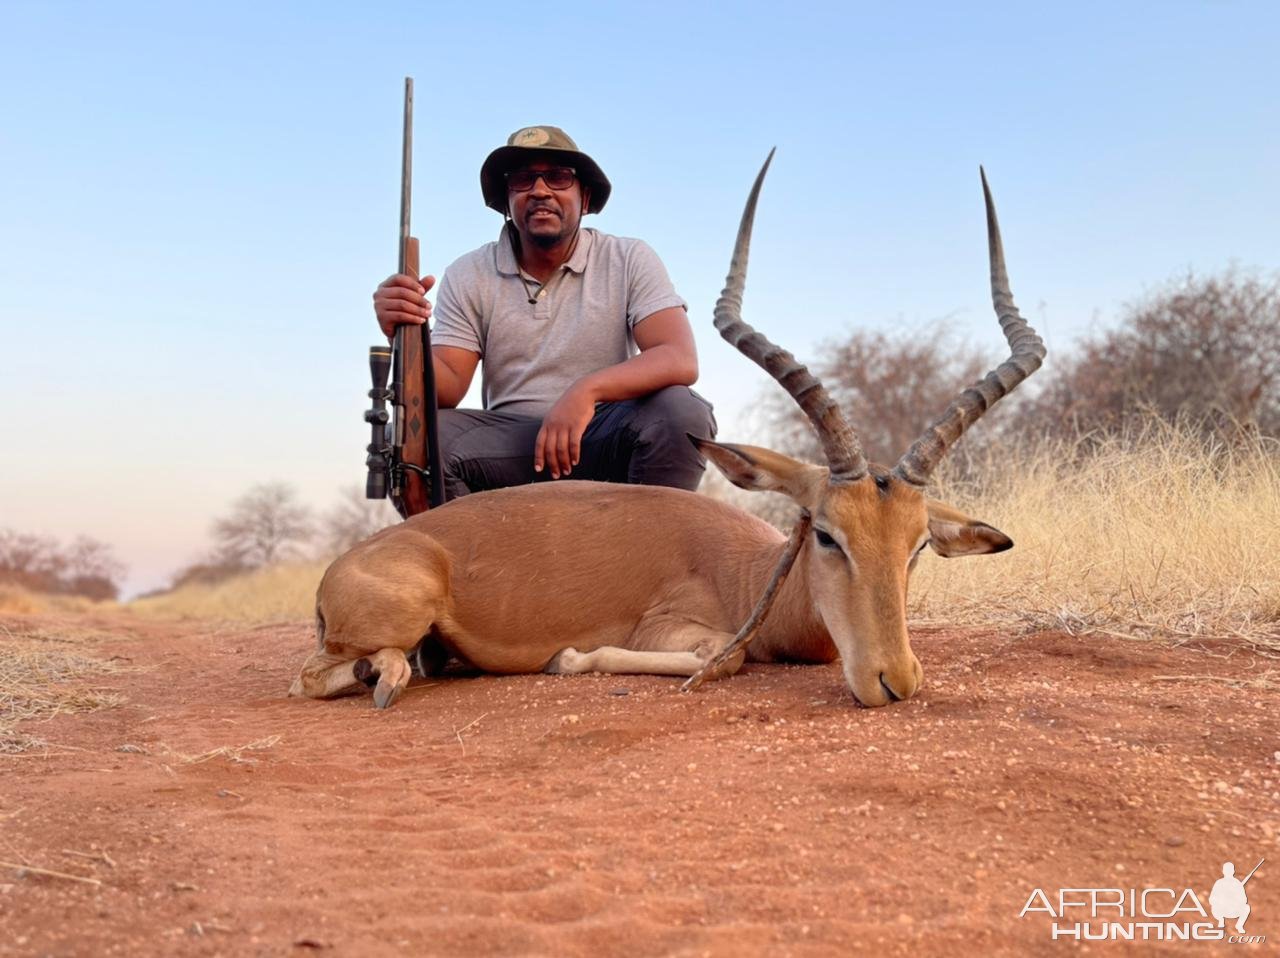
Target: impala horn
(1027,353)
(839,442)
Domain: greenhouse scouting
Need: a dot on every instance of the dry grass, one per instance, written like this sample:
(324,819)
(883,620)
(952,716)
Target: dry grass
(40,677)
(15,600)
(1160,534)
(233,753)
(275,594)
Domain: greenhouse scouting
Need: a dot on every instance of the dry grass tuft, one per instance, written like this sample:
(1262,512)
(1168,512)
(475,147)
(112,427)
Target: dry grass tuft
(1163,534)
(231,753)
(15,600)
(1265,682)
(283,593)
(40,678)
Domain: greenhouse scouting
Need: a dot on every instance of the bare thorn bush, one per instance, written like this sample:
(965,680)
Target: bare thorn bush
(265,525)
(354,518)
(40,564)
(889,386)
(1200,350)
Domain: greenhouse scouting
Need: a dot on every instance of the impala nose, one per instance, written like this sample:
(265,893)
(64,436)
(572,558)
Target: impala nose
(888,690)
(902,682)
(883,683)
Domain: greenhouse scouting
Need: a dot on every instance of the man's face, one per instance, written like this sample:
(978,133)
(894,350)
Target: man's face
(543,216)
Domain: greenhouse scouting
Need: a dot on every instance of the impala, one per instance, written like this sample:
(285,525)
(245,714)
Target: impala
(570,577)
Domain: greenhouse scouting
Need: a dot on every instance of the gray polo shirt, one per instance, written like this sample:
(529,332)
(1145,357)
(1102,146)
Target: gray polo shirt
(582,320)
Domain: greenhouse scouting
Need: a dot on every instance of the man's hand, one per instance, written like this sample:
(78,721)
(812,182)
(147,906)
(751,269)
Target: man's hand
(559,443)
(401,300)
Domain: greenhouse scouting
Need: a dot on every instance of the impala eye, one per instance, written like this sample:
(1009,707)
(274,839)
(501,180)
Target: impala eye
(825,540)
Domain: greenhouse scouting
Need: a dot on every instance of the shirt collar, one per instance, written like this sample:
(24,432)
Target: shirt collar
(578,261)
(505,257)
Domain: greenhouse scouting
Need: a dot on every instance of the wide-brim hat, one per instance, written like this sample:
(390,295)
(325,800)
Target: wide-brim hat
(530,144)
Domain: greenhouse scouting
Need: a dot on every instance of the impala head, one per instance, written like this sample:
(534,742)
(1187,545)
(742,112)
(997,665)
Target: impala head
(870,523)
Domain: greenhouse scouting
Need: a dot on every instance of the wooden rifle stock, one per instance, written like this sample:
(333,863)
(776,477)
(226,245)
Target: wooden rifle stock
(417,483)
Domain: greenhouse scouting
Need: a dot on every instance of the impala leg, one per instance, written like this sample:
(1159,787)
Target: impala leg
(615,661)
(701,645)
(326,676)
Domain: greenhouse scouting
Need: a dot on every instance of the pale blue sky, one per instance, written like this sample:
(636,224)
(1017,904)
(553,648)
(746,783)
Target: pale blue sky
(198,201)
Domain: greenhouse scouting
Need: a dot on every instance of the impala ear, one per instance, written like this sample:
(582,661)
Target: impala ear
(763,470)
(952,533)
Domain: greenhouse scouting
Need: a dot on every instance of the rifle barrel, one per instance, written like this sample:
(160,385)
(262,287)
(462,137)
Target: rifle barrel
(406,172)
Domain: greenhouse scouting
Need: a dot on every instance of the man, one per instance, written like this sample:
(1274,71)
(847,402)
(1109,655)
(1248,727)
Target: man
(586,347)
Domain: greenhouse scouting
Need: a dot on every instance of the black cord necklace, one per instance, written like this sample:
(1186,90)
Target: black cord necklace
(534,291)
(530,291)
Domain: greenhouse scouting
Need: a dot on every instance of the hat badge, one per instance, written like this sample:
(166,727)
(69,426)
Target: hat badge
(531,136)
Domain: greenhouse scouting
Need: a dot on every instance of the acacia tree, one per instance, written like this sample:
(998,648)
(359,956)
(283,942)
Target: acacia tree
(265,525)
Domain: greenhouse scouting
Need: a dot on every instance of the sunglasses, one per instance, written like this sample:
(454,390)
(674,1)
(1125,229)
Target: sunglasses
(557,178)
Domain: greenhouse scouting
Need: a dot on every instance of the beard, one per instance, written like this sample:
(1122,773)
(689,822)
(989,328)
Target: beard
(546,240)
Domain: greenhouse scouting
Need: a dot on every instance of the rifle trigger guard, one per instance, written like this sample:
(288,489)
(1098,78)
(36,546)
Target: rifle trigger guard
(398,470)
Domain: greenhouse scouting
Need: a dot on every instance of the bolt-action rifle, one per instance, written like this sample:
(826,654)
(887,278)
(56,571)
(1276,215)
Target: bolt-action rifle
(405,460)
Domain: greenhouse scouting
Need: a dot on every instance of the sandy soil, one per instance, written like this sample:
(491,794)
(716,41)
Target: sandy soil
(598,815)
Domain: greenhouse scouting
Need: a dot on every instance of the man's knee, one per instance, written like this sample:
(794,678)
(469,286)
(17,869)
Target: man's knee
(674,413)
(484,450)
(662,424)
(451,426)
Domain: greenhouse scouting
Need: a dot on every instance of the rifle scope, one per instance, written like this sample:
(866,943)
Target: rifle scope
(379,448)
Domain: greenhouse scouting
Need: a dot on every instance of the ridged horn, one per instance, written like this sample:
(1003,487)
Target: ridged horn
(1027,353)
(839,441)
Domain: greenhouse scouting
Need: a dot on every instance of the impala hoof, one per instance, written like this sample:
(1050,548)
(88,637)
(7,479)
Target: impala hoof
(385,695)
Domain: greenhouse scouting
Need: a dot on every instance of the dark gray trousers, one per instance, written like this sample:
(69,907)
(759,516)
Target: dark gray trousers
(641,440)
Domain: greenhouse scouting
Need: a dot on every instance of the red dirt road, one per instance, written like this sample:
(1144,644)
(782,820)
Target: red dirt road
(598,815)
